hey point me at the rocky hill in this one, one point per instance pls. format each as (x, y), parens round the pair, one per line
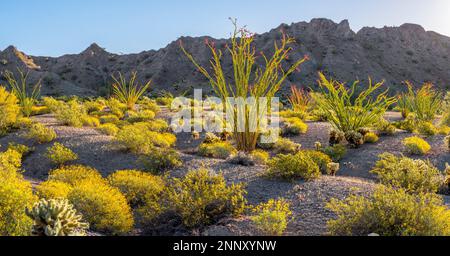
(394, 54)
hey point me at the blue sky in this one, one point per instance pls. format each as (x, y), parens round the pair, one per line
(56, 27)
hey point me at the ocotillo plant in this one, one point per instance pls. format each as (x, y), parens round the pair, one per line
(425, 103)
(128, 92)
(20, 90)
(299, 99)
(249, 81)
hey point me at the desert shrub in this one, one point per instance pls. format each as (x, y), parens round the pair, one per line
(371, 138)
(41, 133)
(108, 129)
(291, 167)
(149, 104)
(90, 121)
(390, 212)
(56, 217)
(444, 130)
(294, 126)
(140, 140)
(426, 128)
(221, 150)
(412, 175)
(39, 110)
(22, 149)
(107, 119)
(19, 88)
(286, 146)
(137, 186)
(128, 92)
(92, 106)
(354, 138)
(260, 157)
(160, 159)
(409, 124)
(23, 123)
(75, 174)
(52, 103)
(424, 103)
(59, 154)
(201, 197)
(71, 113)
(157, 125)
(416, 146)
(9, 110)
(384, 127)
(272, 217)
(446, 118)
(321, 159)
(211, 138)
(103, 206)
(346, 110)
(116, 107)
(52, 189)
(333, 168)
(291, 114)
(141, 116)
(15, 196)
(250, 80)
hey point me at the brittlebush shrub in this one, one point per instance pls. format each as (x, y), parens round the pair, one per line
(109, 119)
(220, 150)
(160, 159)
(9, 110)
(321, 159)
(108, 129)
(59, 154)
(412, 175)
(138, 139)
(53, 189)
(71, 113)
(75, 174)
(286, 146)
(41, 133)
(201, 197)
(260, 157)
(426, 128)
(390, 212)
(336, 152)
(272, 217)
(294, 126)
(137, 186)
(416, 146)
(291, 167)
(371, 138)
(15, 196)
(104, 207)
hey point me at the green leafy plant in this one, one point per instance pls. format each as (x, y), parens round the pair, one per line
(20, 89)
(59, 154)
(128, 92)
(267, 81)
(414, 176)
(390, 212)
(348, 111)
(272, 217)
(56, 217)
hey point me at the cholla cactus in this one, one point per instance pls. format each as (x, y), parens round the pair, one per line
(355, 139)
(336, 137)
(318, 146)
(56, 217)
(333, 168)
(211, 138)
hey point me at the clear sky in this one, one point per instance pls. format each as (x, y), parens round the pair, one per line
(56, 27)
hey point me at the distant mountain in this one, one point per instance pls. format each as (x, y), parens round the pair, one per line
(394, 54)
